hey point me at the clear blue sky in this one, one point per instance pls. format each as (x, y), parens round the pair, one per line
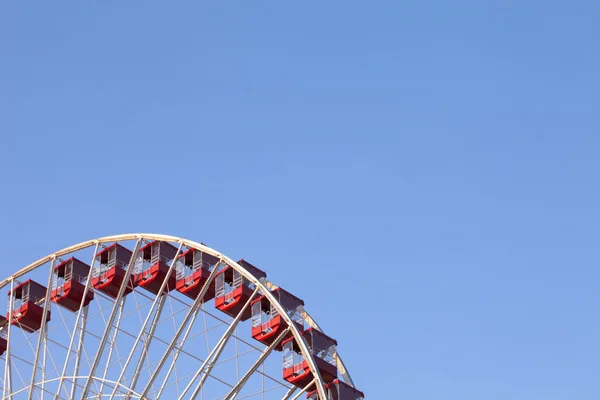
(424, 174)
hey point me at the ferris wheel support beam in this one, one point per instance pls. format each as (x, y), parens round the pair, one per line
(79, 349)
(7, 364)
(176, 355)
(82, 312)
(74, 378)
(289, 393)
(149, 337)
(44, 365)
(155, 311)
(263, 284)
(112, 345)
(194, 309)
(214, 355)
(303, 390)
(43, 329)
(236, 389)
(111, 319)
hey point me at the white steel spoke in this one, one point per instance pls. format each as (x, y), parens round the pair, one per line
(44, 363)
(112, 347)
(7, 363)
(74, 378)
(176, 355)
(194, 308)
(155, 309)
(262, 392)
(89, 337)
(303, 390)
(124, 284)
(237, 360)
(289, 393)
(149, 337)
(79, 315)
(42, 328)
(212, 358)
(236, 389)
(79, 348)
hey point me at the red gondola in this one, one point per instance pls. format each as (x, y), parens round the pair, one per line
(193, 269)
(108, 276)
(152, 265)
(233, 290)
(3, 342)
(69, 284)
(28, 306)
(338, 390)
(295, 367)
(266, 320)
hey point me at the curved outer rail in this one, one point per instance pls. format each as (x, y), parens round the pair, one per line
(264, 286)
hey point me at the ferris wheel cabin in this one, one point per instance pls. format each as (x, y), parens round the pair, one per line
(28, 306)
(193, 269)
(3, 341)
(267, 323)
(233, 290)
(110, 273)
(338, 390)
(295, 367)
(152, 265)
(69, 284)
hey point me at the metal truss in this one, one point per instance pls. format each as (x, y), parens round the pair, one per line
(153, 346)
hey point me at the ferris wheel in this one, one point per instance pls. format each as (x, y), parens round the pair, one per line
(149, 316)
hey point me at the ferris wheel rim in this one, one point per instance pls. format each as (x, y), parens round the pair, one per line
(262, 284)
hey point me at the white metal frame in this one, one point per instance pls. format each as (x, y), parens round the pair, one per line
(262, 285)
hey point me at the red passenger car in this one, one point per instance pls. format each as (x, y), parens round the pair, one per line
(28, 306)
(69, 284)
(108, 276)
(152, 265)
(295, 367)
(3, 342)
(338, 390)
(267, 323)
(233, 290)
(193, 269)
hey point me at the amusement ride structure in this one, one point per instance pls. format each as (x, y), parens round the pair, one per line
(149, 316)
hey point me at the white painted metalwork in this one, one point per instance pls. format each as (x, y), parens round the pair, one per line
(113, 314)
(41, 337)
(194, 308)
(88, 330)
(80, 314)
(233, 393)
(155, 311)
(303, 390)
(212, 358)
(7, 387)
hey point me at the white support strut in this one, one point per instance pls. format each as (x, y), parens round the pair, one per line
(289, 393)
(212, 358)
(176, 355)
(303, 390)
(113, 314)
(112, 345)
(159, 301)
(262, 284)
(43, 330)
(236, 389)
(7, 363)
(80, 313)
(194, 308)
(78, 355)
